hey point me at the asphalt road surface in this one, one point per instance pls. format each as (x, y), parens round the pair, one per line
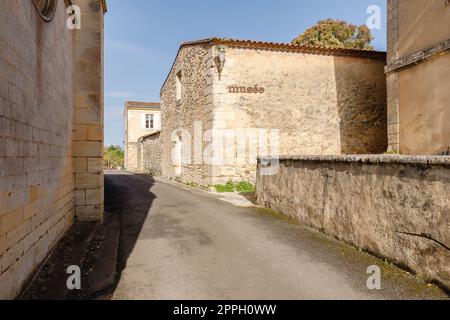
(179, 243)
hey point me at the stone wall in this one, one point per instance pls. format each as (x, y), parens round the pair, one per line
(151, 147)
(36, 181)
(133, 156)
(88, 116)
(41, 150)
(418, 56)
(320, 103)
(195, 106)
(393, 206)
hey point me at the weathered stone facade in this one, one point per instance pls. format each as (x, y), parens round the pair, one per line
(322, 101)
(195, 105)
(393, 206)
(417, 77)
(50, 132)
(150, 154)
(137, 126)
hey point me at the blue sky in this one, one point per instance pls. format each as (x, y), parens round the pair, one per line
(142, 38)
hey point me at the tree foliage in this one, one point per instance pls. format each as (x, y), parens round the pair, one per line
(113, 157)
(336, 34)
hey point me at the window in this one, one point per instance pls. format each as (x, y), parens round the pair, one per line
(149, 121)
(179, 88)
(46, 8)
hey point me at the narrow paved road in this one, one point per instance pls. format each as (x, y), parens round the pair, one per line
(178, 243)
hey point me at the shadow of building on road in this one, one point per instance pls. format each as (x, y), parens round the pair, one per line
(128, 198)
(100, 250)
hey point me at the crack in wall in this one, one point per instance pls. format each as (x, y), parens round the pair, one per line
(425, 236)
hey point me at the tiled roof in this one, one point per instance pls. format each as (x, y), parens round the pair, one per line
(263, 45)
(141, 104)
(286, 47)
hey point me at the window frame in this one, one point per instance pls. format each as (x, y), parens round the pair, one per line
(149, 121)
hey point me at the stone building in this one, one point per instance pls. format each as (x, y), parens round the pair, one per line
(51, 129)
(309, 100)
(141, 119)
(418, 76)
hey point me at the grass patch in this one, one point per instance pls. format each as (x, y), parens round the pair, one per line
(243, 186)
(224, 188)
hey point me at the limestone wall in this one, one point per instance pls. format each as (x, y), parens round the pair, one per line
(424, 107)
(321, 104)
(133, 156)
(44, 157)
(36, 181)
(88, 116)
(151, 147)
(420, 24)
(418, 95)
(393, 206)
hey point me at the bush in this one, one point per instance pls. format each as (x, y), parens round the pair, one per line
(245, 186)
(229, 187)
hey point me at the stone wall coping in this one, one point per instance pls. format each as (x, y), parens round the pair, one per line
(375, 159)
(418, 57)
(147, 136)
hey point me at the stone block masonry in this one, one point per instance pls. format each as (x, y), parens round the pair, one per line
(50, 133)
(88, 114)
(393, 206)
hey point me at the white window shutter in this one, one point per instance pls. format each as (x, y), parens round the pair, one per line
(158, 121)
(143, 121)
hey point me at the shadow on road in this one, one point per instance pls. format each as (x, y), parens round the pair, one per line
(128, 198)
(100, 250)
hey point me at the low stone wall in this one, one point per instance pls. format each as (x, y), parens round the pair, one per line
(151, 149)
(396, 207)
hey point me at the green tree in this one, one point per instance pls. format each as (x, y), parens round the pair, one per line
(113, 157)
(336, 34)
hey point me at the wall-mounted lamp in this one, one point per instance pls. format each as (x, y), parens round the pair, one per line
(219, 58)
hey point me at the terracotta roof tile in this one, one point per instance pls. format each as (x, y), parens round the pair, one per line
(253, 44)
